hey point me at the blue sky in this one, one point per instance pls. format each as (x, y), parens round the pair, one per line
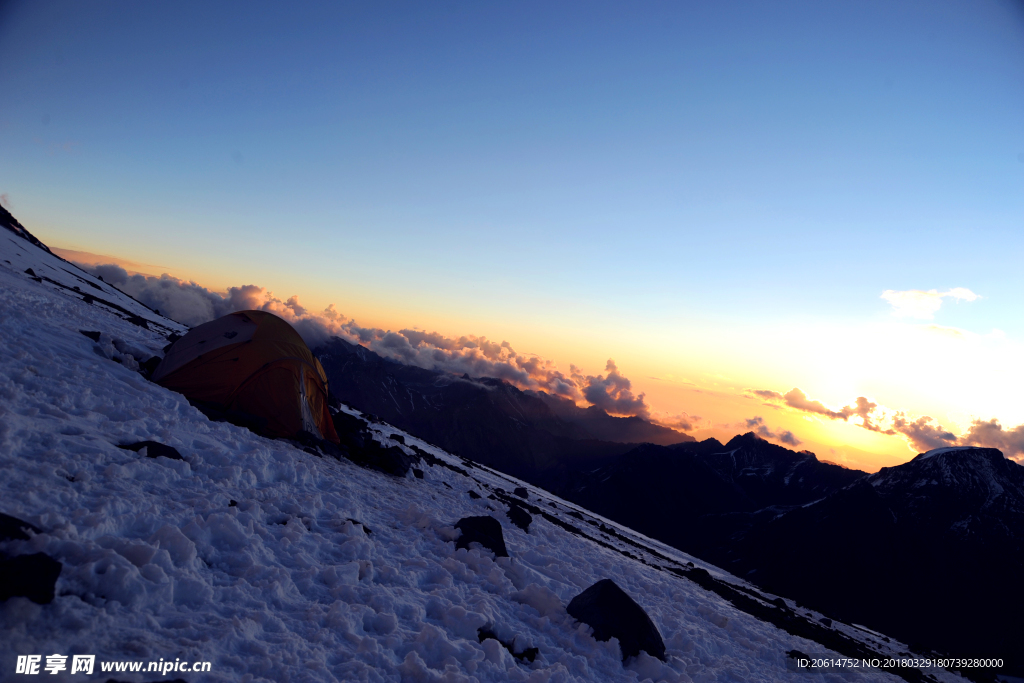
(578, 172)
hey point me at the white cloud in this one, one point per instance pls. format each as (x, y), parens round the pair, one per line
(916, 303)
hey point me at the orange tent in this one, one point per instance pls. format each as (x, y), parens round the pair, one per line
(254, 363)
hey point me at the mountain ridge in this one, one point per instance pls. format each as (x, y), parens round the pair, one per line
(485, 419)
(928, 549)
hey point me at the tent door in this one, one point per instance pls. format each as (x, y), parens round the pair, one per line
(308, 423)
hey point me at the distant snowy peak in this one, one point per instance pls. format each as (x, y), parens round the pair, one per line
(965, 469)
(964, 450)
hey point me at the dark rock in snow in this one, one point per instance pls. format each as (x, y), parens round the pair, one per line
(13, 529)
(397, 437)
(91, 334)
(474, 495)
(613, 614)
(154, 449)
(826, 621)
(483, 530)
(30, 576)
(148, 366)
(314, 445)
(529, 654)
(418, 473)
(521, 492)
(391, 460)
(699, 574)
(366, 529)
(359, 446)
(520, 517)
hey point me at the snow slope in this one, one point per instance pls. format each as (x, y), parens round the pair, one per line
(319, 570)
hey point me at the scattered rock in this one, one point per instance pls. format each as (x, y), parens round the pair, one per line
(366, 529)
(359, 446)
(232, 503)
(393, 460)
(30, 576)
(418, 473)
(520, 517)
(699, 575)
(91, 334)
(521, 492)
(474, 495)
(397, 437)
(483, 530)
(529, 654)
(154, 449)
(613, 614)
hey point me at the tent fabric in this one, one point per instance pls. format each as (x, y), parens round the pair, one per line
(252, 362)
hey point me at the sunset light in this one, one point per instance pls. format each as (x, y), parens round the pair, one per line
(421, 341)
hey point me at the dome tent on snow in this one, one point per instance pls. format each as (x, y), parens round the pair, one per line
(254, 364)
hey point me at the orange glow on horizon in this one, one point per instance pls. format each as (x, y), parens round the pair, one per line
(696, 382)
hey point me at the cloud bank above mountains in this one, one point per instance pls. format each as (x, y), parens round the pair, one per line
(756, 424)
(923, 433)
(193, 304)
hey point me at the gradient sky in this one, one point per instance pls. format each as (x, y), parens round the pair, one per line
(716, 195)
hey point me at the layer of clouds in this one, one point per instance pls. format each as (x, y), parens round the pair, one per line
(681, 421)
(923, 433)
(766, 393)
(916, 303)
(867, 410)
(991, 434)
(798, 399)
(193, 304)
(756, 424)
(612, 393)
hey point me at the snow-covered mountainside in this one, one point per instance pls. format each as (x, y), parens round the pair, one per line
(22, 252)
(275, 562)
